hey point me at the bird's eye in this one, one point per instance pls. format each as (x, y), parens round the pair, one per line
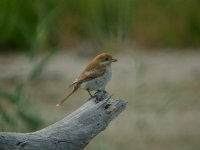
(106, 58)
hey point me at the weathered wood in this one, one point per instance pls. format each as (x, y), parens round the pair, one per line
(71, 133)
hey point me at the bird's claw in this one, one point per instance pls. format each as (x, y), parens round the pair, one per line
(100, 95)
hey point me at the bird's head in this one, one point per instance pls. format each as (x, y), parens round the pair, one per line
(105, 59)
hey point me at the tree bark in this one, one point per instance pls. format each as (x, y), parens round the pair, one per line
(71, 133)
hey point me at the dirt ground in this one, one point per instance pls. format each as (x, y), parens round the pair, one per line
(162, 90)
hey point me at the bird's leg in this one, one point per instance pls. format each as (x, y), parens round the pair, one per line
(89, 93)
(100, 91)
(91, 96)
(100, 95)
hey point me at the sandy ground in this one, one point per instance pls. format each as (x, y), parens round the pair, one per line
(162, 90)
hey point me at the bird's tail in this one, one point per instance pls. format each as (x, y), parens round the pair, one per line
(75, 87)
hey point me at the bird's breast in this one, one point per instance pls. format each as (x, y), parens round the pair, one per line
(99, 82)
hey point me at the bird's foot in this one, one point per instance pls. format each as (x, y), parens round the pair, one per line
(100, 95)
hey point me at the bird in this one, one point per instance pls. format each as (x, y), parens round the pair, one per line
(94, 77)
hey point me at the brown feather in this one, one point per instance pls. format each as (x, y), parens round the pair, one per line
(75, 87)
(92, 71)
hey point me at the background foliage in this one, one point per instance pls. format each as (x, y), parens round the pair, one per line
(38, 25)
(162, 86)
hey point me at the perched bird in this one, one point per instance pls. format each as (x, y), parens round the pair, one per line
(95, 76)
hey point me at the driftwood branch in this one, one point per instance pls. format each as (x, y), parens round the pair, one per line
(71, 133)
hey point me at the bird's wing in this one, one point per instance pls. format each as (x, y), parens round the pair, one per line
(89, 75)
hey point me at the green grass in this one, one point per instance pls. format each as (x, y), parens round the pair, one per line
(19, 101)
(37, 25)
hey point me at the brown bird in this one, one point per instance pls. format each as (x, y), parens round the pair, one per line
(95, 76)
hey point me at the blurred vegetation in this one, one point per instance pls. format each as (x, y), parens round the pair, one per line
(20, 104)
(40, 25)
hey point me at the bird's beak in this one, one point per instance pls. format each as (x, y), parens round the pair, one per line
(114, 60)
